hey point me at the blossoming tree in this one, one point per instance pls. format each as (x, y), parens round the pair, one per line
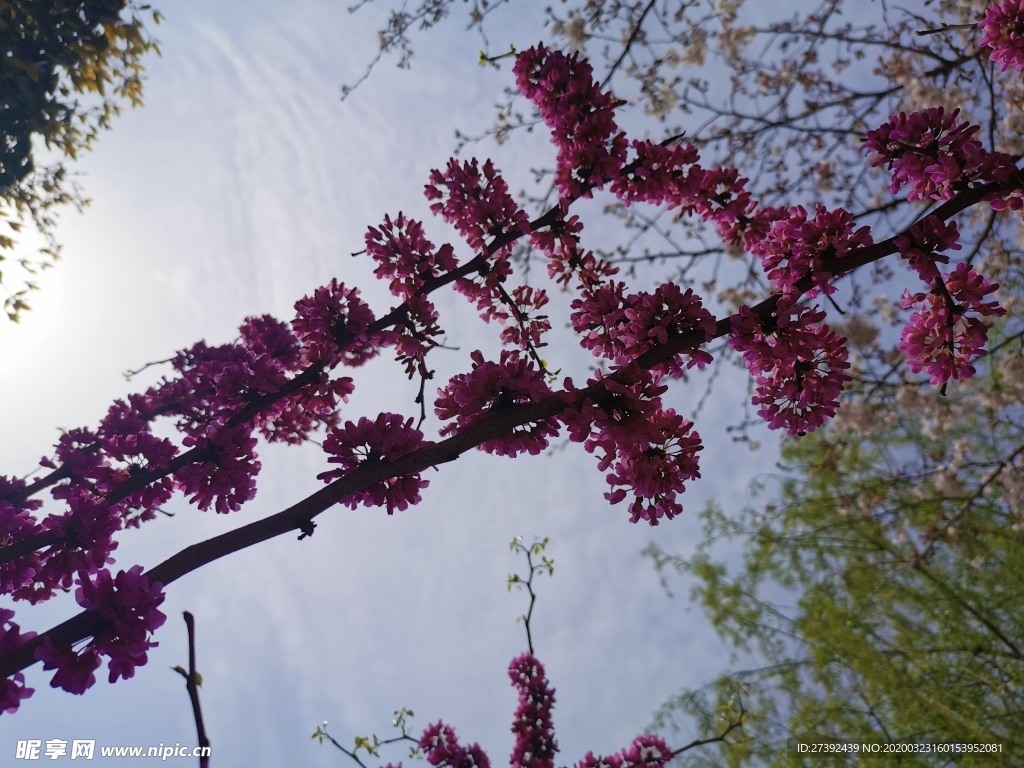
(788, 101)
(285, 382)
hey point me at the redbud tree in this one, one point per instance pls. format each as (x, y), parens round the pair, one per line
(286, 381)
(786, 94)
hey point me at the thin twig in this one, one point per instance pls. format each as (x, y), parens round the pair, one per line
(192, 686)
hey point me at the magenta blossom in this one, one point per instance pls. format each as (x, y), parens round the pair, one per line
(797, 247)
(332, 326)
(415, 335)
(388, 437)
(405, 256)
(129, 605)
(645, 752)
(535, 745)
(524, 325)
(923, 243)
(471, 397)
(1004, 34)
(75, 671)
(725, 201)
(648, 450)
(581, 118)
(226, 479)
(651, 318)
(560, 242)
(800, 366)
(621, 328)
(942, 338)
(930, 152)
(660, 175)
(268, 337)
(17, 523)
(442, 749)
(87, 531)
(479, 206)
(12, 689)
(656, 470)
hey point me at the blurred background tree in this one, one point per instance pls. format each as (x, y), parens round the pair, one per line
(66, 68)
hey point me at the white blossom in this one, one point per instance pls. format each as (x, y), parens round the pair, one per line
(732, 41)
(859, 332)
(696, 49)
(727, 8)
(1011, 369)
(863, 417)
(886, 309)
(576, 33)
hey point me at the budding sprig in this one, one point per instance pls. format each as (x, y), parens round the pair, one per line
(371, 744)
(546, 565)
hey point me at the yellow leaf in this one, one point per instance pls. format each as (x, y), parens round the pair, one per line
(29, 69)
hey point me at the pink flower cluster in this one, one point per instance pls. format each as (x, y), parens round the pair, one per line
(535, 745)
(417, 333)
(941, 337)
(87, 530)
(75, 671)
(796, 248)
(581, 118)
(388, 438)
(129, 605)
(934, 155)
(215, 383)
(649, 450)
(478, 206)
(332, 326)
(621, 328)
(670, 175)
(1004, 34)
(484, 288)
(134, 453)
(560, 242)
(16, 523)
(405, 256)
(645, 752)
(227, 479)
(923, 243)
(725, 201)
(294, 418)
(442, 748)
(12, 689)
(120, 474)
(655, 468)
(469, 398)
(528, 326)
(656, 175)
(799, 366)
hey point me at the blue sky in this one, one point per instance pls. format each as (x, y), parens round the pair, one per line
(242, 185)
